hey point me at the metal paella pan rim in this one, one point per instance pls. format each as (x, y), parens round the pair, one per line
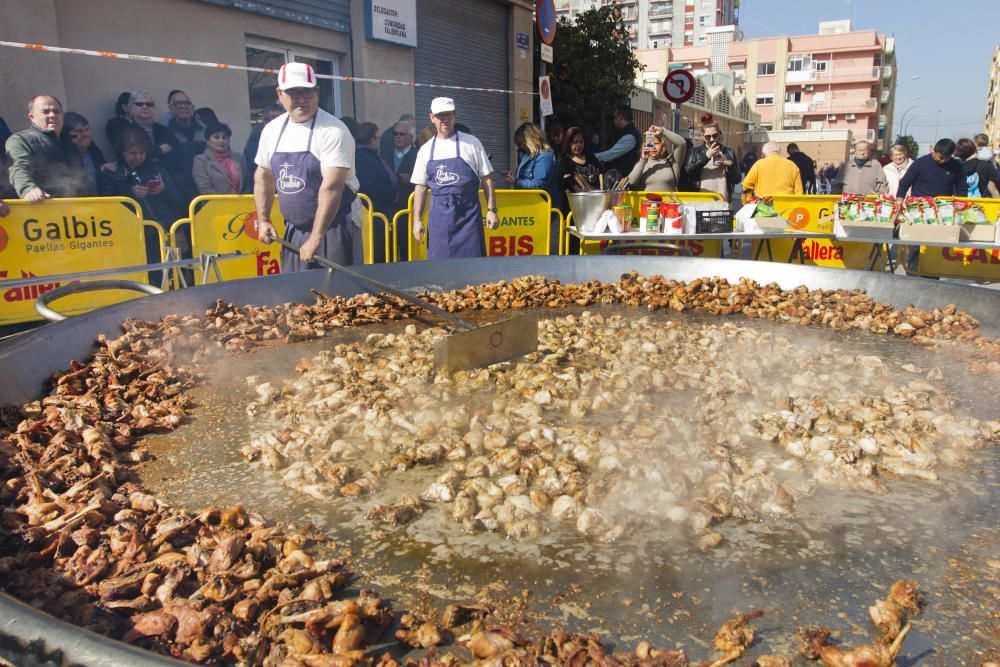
(30, 637)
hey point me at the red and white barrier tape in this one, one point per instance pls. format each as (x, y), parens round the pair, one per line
(241, 68)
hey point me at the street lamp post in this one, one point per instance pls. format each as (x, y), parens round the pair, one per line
(902, 121)
(913, 118)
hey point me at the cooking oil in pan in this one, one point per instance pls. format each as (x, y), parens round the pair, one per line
(837, 552)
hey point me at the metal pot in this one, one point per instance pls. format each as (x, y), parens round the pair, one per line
(587, 207)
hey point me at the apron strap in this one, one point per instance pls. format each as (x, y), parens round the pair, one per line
(309, 142)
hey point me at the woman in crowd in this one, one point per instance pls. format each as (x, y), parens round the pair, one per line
(659, 168)
(578, 168)
(206, 116)
(144, 180)
(120, 120)
(137, 176)
(980, 175)
(219, 170)
(895, 170)
(536, 167)
(82, 152)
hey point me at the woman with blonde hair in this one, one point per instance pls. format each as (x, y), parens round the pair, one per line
(536, 167)
(659, 167)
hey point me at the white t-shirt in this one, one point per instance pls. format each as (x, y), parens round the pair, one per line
(472, 152)
(332, 143)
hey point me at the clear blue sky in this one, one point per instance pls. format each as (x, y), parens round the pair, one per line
(947, 43)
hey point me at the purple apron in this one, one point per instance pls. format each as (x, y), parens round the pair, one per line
(298, 176)
(455, 220)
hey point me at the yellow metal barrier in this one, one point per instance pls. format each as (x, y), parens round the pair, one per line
(525, 225)
(698, 247)
(60, 236)
(815, 213)
(222, 224)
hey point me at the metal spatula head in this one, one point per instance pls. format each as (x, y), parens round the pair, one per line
(487, 344)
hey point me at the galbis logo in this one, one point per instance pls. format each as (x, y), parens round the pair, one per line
(240, 224)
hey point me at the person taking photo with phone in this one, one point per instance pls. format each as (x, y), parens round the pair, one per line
(713, 166)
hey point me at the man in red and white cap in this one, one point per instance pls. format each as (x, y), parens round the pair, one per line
(306, 155)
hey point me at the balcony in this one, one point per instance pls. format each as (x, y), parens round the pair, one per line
(833, 75)
(831, 107)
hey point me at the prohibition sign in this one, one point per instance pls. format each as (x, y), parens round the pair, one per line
(545, 18)
(678, 87)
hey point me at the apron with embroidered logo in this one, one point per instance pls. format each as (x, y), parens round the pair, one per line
(455, 219)
(298, 176)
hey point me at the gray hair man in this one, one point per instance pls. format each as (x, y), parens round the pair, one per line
(862, 175)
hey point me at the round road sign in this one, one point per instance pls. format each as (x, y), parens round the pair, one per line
(545, 18)
(678, 87)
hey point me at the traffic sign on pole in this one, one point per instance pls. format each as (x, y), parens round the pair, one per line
(545, 18)
(678, 87)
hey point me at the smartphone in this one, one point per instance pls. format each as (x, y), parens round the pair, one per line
(649, 139)
(155, 183)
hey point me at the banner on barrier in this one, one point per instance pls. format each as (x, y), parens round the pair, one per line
(814, 213)
(698, 247)
(61, 236)
(964, 263)
(525, 225)
(228, 223)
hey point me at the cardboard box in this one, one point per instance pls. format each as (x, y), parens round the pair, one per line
(867, 229)
(937, 233)
(771, 224)
(979, 233)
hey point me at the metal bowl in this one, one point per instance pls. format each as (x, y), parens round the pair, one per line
(587, 207)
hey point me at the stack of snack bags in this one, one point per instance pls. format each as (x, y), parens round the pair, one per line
(867, 208)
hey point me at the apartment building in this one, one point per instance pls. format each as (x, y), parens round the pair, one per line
(658, 24)
(992, 124)
(835, 80)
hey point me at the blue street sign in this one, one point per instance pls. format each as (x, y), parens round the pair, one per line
(545, 18)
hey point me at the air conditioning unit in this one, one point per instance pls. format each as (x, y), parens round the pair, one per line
(809, 88)
(849, 116)
(832, 117)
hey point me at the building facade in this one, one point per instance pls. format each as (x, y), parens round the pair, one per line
(992, 123)
(840, 79)
(422, 41)
(659, 24)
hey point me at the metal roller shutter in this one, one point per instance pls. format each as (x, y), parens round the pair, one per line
(329, 14)
(466, 44)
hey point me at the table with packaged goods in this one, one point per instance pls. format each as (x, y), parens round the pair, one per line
(881, 245)
(665, 240)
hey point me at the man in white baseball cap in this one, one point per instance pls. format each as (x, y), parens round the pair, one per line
(307, 156)
(452, 165)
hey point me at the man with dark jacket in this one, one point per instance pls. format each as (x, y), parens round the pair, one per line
(935, 175)
(624, 153)
(713, 167)
(39, 169)
(807, 168)
(188, 142)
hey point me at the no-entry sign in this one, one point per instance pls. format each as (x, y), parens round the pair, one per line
(678, 87)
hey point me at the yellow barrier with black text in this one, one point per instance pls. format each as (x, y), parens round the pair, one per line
(61, 236)
(525, 225)
(222, 224)
(814, 213)
(964, 263)
(698, 247)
